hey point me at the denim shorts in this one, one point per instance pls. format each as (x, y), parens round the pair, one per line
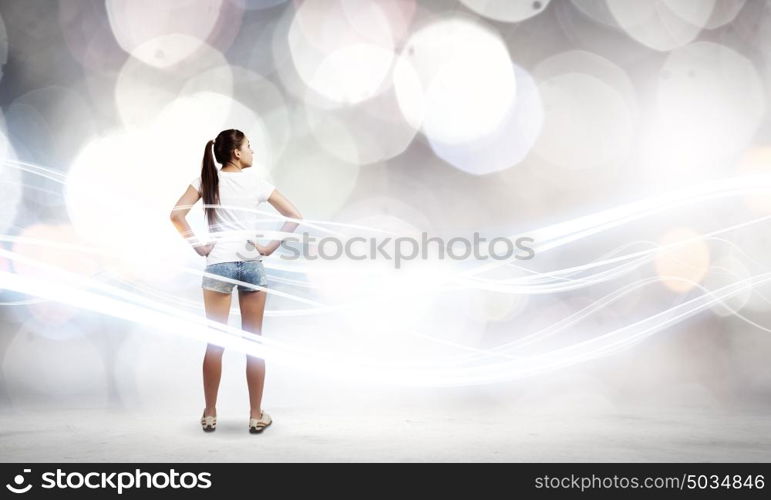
(250, 271)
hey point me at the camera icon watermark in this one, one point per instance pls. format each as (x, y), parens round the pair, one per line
(18, 481)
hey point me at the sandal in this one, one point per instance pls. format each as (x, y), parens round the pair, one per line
(257, 425)
(208, 423)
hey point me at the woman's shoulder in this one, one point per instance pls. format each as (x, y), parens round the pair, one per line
(259, 175)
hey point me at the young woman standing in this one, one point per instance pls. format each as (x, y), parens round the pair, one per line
(224, 193)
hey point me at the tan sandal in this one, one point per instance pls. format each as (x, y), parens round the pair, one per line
(257, 425)
(208, 423)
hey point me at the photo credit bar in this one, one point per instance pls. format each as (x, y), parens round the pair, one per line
(357, 480)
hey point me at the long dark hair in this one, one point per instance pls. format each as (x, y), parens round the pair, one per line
(226, 141)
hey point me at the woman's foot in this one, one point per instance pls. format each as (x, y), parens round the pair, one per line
(257, 425)
(209, 421)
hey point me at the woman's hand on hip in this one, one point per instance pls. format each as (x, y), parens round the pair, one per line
(204, 250)
(262, 249)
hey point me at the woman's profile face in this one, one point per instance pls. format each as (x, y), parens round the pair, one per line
(246, 152)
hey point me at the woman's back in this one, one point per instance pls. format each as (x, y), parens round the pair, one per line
(237, 191)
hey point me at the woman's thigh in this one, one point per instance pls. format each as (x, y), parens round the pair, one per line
(252, 306)
(217, 305)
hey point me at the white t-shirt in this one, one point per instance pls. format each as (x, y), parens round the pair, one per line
(243, 189)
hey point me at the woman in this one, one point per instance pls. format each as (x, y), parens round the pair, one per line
(231, 256)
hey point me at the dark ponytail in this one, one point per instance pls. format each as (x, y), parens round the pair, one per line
(210, 181)
(223, 145)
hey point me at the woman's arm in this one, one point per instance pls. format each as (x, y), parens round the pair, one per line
(178, 214)
(287, 209)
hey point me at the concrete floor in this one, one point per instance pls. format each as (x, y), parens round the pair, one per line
(481, 434)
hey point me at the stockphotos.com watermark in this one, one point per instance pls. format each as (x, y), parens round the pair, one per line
(117, 481)
(399, 249)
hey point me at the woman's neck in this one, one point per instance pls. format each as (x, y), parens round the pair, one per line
(230, 167)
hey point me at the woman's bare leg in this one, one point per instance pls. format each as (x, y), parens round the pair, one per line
(252, 306)
(217, 307)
